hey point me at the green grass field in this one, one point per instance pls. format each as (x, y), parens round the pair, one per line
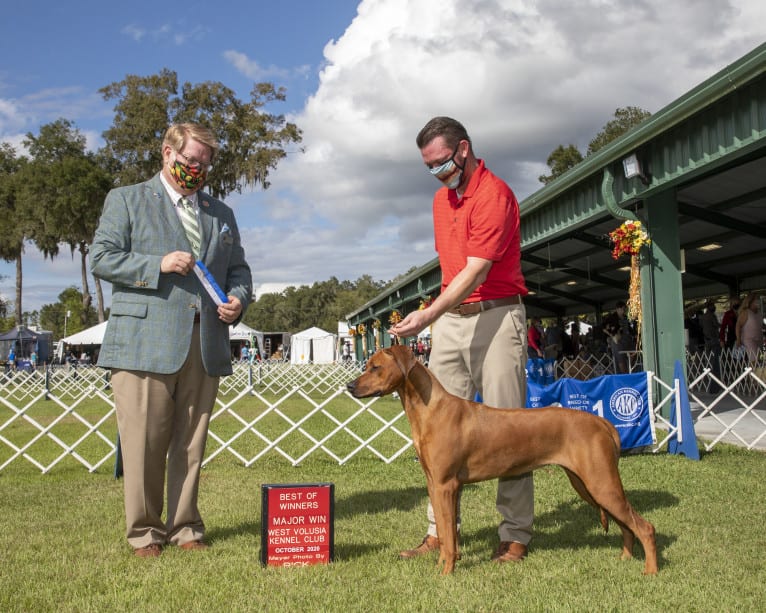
(64, 549)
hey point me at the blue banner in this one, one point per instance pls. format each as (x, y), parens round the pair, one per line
(541, 370)
(623, 400)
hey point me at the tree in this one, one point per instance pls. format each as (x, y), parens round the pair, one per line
(11, 224)
(560, 160)
(323, 304)
(563, 158)
(252, 140)
(63, 190)
(624, 119)
(54, 316)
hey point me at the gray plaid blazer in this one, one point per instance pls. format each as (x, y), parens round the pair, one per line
(152, 314)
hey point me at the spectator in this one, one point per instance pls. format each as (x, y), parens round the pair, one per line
(535, 338)
(554, 341)
(620, 336)
(710, 327)
(727, 333)
(749, 327)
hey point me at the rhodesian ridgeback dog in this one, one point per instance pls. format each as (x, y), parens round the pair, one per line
(458, 442)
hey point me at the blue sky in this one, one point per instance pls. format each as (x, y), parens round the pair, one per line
(362, 77)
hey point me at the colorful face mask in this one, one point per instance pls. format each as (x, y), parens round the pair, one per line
(444, 171)
(188, 177)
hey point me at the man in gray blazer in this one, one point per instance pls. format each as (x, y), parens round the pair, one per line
(167, 341)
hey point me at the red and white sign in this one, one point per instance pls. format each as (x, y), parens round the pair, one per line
(297, 524)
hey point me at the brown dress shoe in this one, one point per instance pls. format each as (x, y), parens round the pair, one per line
(429, 544)
(150, 551)
(510, 551)
(194, 546)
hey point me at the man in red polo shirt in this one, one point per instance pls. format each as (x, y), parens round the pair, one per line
(479, 321)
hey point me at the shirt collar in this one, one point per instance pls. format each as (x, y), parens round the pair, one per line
(175, 197)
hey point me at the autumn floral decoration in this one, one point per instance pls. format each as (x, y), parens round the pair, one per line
(395, 317)
(425, 303)
(628, 239)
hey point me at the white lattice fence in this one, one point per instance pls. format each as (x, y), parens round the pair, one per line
(294, 411)
(291, 410)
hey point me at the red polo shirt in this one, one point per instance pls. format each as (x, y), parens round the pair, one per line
(484, 223)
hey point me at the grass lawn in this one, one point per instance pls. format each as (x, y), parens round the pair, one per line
(64, 549)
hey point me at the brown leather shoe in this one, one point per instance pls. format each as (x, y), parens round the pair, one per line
(194, 546)
(510, 551)
(150, 551)
(429, 544)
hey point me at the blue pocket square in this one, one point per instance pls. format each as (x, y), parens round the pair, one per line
(226, 235)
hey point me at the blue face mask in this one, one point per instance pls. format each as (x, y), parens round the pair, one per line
(443, 171)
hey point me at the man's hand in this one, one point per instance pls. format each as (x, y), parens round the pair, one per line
(412, 324)
(179, 262)
(229, 311)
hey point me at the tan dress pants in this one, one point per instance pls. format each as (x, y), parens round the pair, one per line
(486, 353)
(163, 423)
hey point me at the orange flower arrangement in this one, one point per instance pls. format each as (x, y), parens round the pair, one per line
(361, 328)
(395, 317)
(425, 303)
(376, 324)
(628, 239)
(351, 331)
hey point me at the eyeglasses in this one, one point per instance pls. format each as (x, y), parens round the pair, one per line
(195, 164)
(445, 167)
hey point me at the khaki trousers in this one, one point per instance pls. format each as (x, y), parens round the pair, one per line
(163, 422)
(486, 353)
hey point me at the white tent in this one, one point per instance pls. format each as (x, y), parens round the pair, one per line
(312, 345)
(243, 332)
(95, 335)
(89, 336)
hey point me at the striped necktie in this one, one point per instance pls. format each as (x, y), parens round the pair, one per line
(189, 221)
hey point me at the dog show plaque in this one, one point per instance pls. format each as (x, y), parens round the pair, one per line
(297, 524)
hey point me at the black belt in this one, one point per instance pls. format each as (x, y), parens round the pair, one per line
(471, 308)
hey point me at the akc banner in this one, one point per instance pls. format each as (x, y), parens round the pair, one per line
(622, 400)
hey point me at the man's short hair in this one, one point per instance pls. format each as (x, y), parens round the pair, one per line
(450, 129)
(178, 133)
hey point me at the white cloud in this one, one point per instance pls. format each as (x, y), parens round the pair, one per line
(523, 77)
(251, 69)
(135, 32)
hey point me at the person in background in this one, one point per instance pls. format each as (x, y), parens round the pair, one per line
(166, 341)
(478, 319)
(535, 339)
(554, 341)
(727, 333)
(749, 329)
(710, 328)
(620, 338)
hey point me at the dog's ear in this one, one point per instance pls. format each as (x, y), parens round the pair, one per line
(403, 357)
